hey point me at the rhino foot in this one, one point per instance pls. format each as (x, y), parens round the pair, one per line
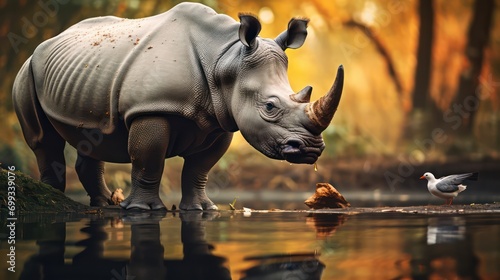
(99, 201)
(199, 204)
(144, 200)
(143, 205)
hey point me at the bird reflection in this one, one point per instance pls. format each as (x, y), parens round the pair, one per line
(442, 230)
(447, 252)
(450, 254)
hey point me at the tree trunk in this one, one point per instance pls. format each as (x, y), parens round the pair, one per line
(420, 119)
(421, 93)
(478, 36)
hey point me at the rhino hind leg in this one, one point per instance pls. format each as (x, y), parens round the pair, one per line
(91, 174)
(195, 175)
(38, 132)
(148, 142)
(51, 163)
(48, 148)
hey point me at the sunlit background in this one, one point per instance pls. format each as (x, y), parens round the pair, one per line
(421, 94)
(421, 91)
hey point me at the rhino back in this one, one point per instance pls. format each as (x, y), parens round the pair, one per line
(103, 70)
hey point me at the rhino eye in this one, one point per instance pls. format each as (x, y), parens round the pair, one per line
(270, 110)
(270, 106)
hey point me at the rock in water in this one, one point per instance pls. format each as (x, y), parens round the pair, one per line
(326, 196)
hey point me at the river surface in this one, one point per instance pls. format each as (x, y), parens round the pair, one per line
(236, 245)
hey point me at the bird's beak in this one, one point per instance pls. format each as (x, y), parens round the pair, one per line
(422, 177)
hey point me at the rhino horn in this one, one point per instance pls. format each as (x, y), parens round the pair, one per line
(321, 111)
(303, 96)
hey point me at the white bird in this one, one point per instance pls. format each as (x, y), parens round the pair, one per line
(447, 187)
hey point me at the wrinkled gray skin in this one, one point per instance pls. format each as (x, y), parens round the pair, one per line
(176, 84)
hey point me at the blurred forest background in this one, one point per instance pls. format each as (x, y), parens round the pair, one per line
(421, 90)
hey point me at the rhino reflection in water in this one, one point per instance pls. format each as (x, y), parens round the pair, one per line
(175, 84)
(146, 251)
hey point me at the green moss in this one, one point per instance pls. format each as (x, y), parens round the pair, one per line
(34, 196)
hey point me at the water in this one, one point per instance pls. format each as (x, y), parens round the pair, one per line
(273, 245)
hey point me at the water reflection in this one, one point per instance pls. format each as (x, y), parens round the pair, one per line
(447, 254)
(287, 245)
(50, 254)
(146, 254)
(296, 265)
(285, 267)
(325, 224)
(441, 230)
(450, 253)
(198, 262)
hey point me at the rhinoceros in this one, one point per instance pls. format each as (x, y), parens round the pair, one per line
(176, 84)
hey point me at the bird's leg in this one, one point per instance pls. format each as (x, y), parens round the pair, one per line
(449, 201)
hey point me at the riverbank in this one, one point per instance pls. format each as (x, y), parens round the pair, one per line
(21, 193)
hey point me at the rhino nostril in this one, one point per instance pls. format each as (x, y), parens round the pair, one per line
(294, 143)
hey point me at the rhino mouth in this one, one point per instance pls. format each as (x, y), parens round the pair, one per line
(296, 151)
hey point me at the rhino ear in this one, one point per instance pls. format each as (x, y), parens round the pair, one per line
(249, 29)
(295, 35)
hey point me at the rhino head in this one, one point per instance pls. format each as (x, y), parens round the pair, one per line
(276, 121)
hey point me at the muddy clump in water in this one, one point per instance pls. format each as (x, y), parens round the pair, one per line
(326, 196)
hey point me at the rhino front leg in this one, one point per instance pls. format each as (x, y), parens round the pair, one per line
(91, 173)
(147, 146)
(195, 175)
